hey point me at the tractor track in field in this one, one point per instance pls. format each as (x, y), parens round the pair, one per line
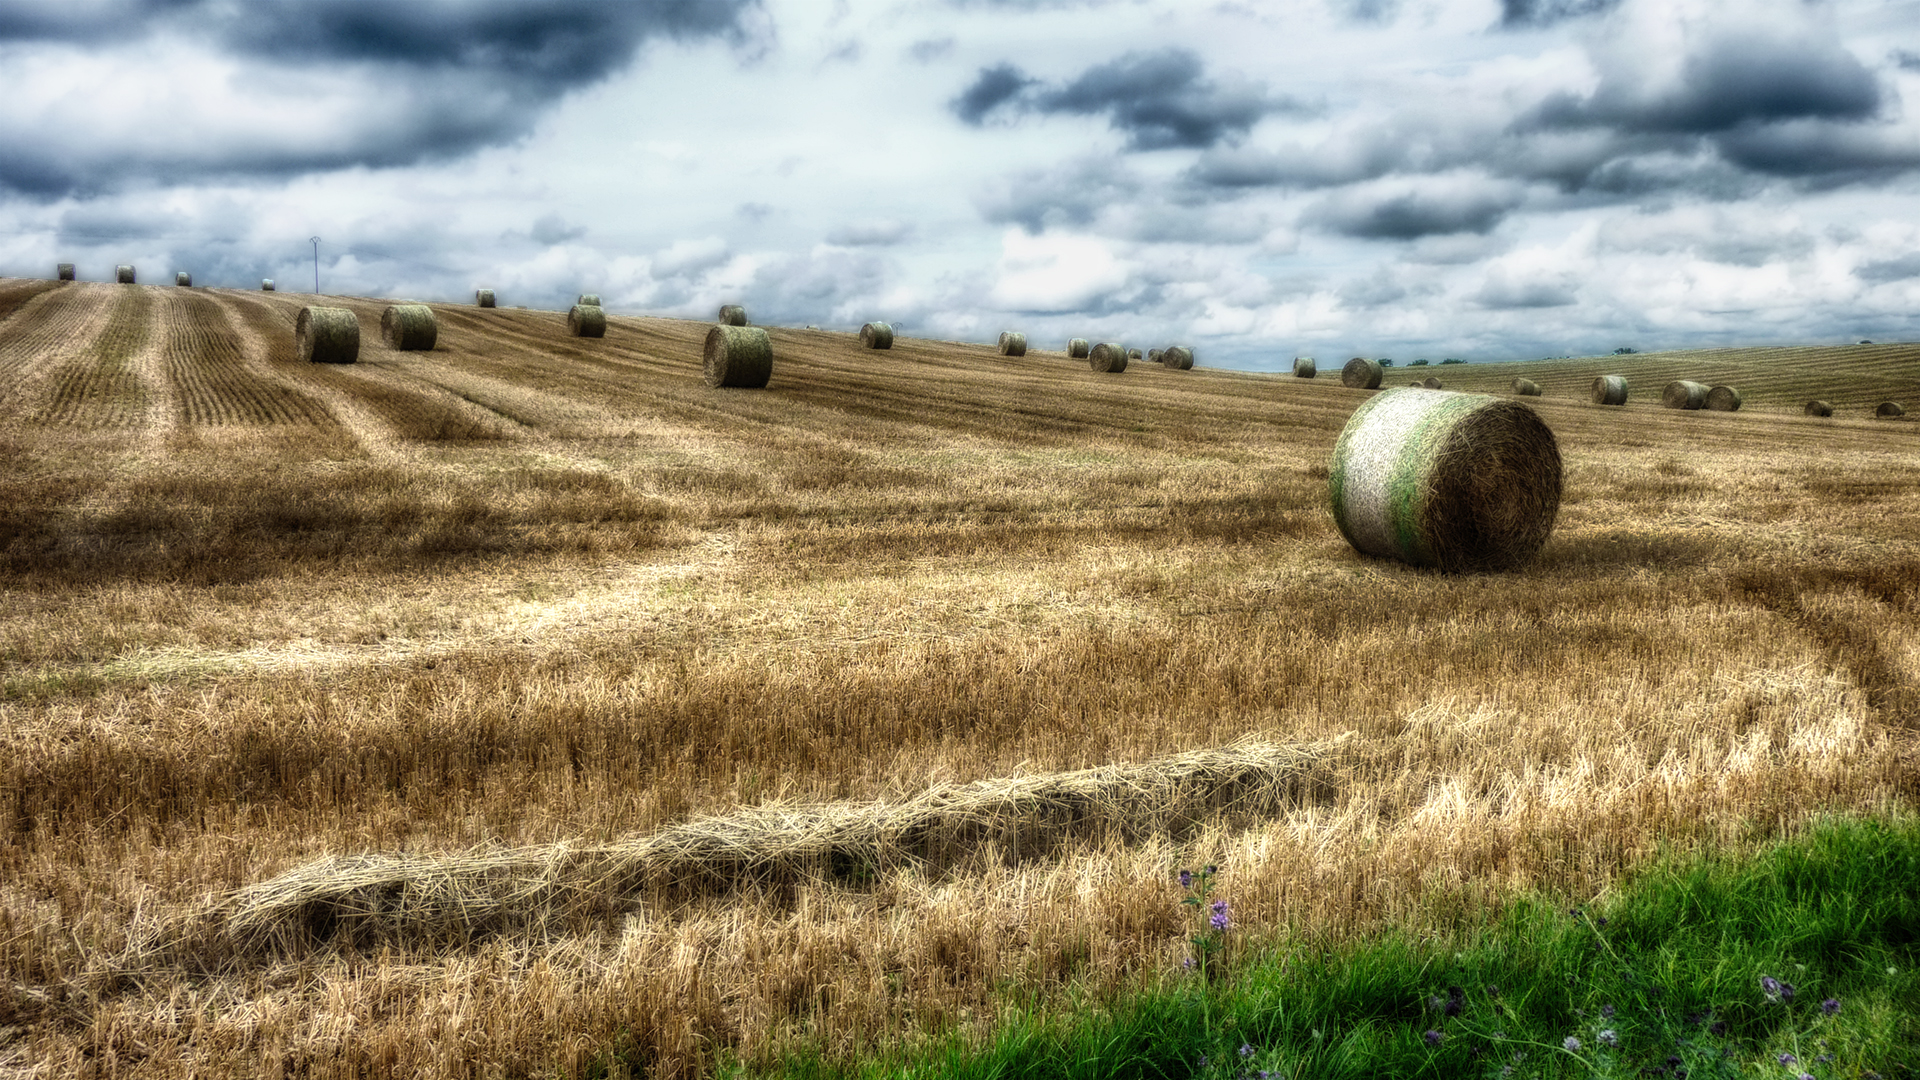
(206, 362)
(111, 383)
(43, 335)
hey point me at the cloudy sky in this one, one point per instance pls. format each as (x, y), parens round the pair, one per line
(1489, 179)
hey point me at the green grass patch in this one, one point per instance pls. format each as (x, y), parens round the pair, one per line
(1797, 961)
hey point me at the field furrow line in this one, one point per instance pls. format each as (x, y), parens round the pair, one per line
(103, 386)
(206, 360)
(45, 334)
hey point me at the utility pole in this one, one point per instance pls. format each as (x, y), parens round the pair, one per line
(316, 263)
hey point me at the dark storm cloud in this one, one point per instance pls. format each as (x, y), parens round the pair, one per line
(1885, 270)
(1906, 59)
(1502, 291)
(1535, 13)
(1069, 197)
(1411, 215)
(1161, 100)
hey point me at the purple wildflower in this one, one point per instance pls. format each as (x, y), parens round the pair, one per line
(1607, 1011)
(1609, 1038)
(1219, 919)
(1788, 1059)
(1212, 869)
(1830, 1006)
(1571, 1044)
(1186, 879)
(1806, 1076)
(1246, 1051)
(1770, 986)
(1433, 1037)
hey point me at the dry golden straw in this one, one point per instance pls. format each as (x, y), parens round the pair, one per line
(483, 297)
(1303, 367)
(1107, 357)
(733, 315)
(739, 356)
(1526, 388)
(1013, 343)
(876, 335)
(1610, 390)
(123, 274)
(409, 327)
(1177, 358)
(587, 320)
(327, 335)
(1684, 394)
(1362, 374)
(1457, 481)
(1077, 348)
(1723, 399)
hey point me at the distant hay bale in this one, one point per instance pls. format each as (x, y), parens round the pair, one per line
(1610, 390)
(1819, 408)
(1455, 481)
(587, 320)
(65, 271)
(1889, 410)
(123, 274)
(738, 356)
(1303, 367)
(1077, 348)
(733, 315)
(1107, 357)
(1134, 354)
(1431, 383)
(1362, 374)
(1684, 394)
(266, 284)
(1526, 388)
(1177, 358)
(483, 297)
(182, 278)
(876, 335)
(588, 299)
(1723, 399)
(409, 327)
(1155, 356)
(1013, 343)
(327, 335)
(1418, 384)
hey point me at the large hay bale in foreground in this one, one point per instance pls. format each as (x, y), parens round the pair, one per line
(739, 356)
(266, 284)
(1819, 408)
(1684, 394)
(1526, 388)
(409, 327)
(327, 335)
(733, 315)
(1107, 357)
(1177, 358)
(1431, 382)
(65, 271)
(1077, 348)
(1610, 390)
(1889, 410)
(1362, 374)
(876, 335)
(1013, 343)
(1303, 367)
(588, 299)
(587, 320)
(1723, 399)
(182, 278)
(1455, 481)
(483, 298)
(123, 274)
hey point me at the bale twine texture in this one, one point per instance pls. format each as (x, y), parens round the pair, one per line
(1889, 409)
(1077, 348)
(1177, 357)
(327, 335)
(123, 274)
(1684, 394)
(588, 299)
(409, 327)
(1013, 343)
(1723, 399)
(65, 270)
(1362, 374)
(266, 284)
(1819, 408)
(1107, 357)
(587, 320)
(1610, 390)
(483, 297)
(1303, 367)
(740, 356)
(1431, 383)
(876, 335)
(1526, 388)
(733, 315)
(1456, 481)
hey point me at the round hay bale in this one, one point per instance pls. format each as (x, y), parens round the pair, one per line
(1077, 348)
(1456, 481)
(1889, 410)
(876, 335)
(65, 271)
(1430, 383)
(1155, 356)
(1107, 357)
(1362, 374)
(266, 284)
(182, 278)
(733, 315)
(123, 274)
(1684, 394)
(740, 356)
(588, 299)
(1819, 408)
(1012, 343)
(1303, 367)
(1610, 390)
(587, 320)
(327, 335)
(1418, 384)
(1723, 399)
(1134, 354)
(483, 297)
(409, 327)
(1526, 388)
(1177, 357)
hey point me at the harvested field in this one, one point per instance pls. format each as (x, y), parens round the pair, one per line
(526, 696)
